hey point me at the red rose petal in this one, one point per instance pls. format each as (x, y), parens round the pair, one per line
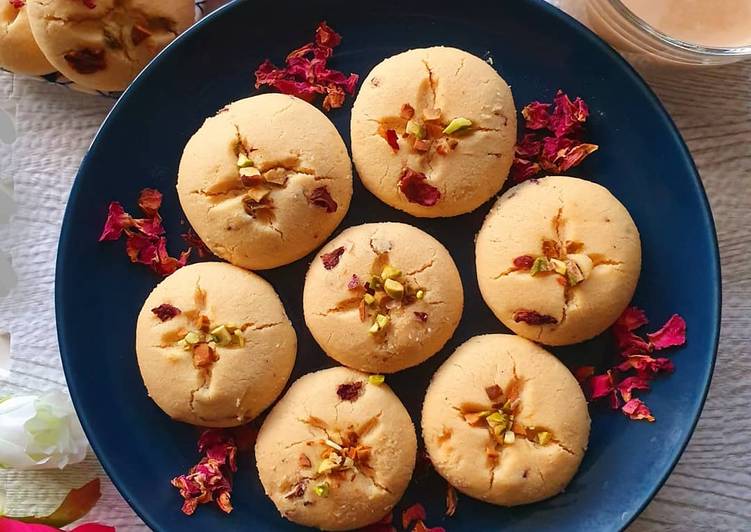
(392, 138)
(331, 259)
(583, 373)
(536, 115)
(416, 512)
(567, 116)
(354, 282)
(524, 262)
(195, 243)
(636, 410)
(416, 189)
(561, 154)
(320, 197)
(150, 201)
(117, 221)
(672, 334)
(601, 385)
(627, 386)
(523, 169)
(646, 365)
(530, 146)
(306, 73)
(18, 4)
(349, 391)
(165, 311)
(631, 319)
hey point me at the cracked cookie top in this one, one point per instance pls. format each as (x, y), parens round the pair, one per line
(19, 52)
(382, 297)
(214, 345)
(336, 452)
(105, 46)
(433, 131)
(558, 259)
(265, 181)
(504, 421)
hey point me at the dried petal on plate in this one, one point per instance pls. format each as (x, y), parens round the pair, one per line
(646, 365)
(306, 73)
(422, 316)
(18, 4)
(195, 243)
(331, 260)
(627, 386)
(354, 282)
(165, 265)
(561, 154)
(349, 391)
(421, 527)
(583, 373)
(416, 512)
(529, 146)
(77, 503)
(601, 385)
(636, 410)
(165, 311)
(150, 201)
(320, 197)
(672, 334)
(451, 500)
(415, 187)
(536, 115)
(407, 111)
(532, 317)
(567, 117)
(210, 479)
(523, 169)
(117, 221)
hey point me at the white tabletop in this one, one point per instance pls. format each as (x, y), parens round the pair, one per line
(710, 488)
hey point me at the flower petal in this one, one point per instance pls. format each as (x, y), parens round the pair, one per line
(672, 334)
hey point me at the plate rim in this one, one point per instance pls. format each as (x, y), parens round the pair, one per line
(707, 220)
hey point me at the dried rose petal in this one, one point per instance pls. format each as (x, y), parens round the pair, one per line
(117, 221)
(530, 146)
(414, 186)
(536, 115)
(494, 392)
(150, 201)
(583, 373)
(18, 4)
(451, 500)
(195, 243)
(320, 197)
(561, 154)
(646, 365)
(567, 117)
(422, 145)
(165, 311)
(392, 139)
(629, 384)
(407, 111)
(349, 391)
(631, 319)
(86, 60)
(331, 259)
(421, 527)
(354, 282)
(636, 410)
(422, 316)
(306, 74)
(524, 262)
(416, 512)
(523, 169)
(532, 317)
(601, 385)
(672, 334)
(211, 478)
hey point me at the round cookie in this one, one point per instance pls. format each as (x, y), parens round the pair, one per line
(382, 297)
(336, 452)
(402, 141)
(504, 421)
(19, 51)
(214, 345)
(265, 181)
(558, 259)
(103, 47)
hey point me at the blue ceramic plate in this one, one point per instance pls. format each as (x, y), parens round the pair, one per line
(537, 49)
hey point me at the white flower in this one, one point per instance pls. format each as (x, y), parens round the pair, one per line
(40, 432)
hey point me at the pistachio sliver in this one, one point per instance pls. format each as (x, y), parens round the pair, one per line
(420, 294)
(389, 272)
(394, 289)
(376, 380)
(382, 320)
(543, 438)
(415, 128)
(221, 335)
(326, 465)
(457, 124)
(558, 266)
(243, 161)
(192, 338)
(368, 298)
(541, 264)
(322, 489)
(374, 328)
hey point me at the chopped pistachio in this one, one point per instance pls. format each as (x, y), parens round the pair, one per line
(420, 294)
(243, 161)
(322, 489)
(456, 124)
(240, 337)
(374, 328)
(183, 344)
(376, 380)
(416, 129)
(540, 264)
(394, 289)
(543, 438)
(368, 298)
(497, 418)
(559, 266)
(222, 335)
(382, 321)
(327, 465)
(509, 437)
(574, 274)
(389, 272)
(192, 338)
(374, 282)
